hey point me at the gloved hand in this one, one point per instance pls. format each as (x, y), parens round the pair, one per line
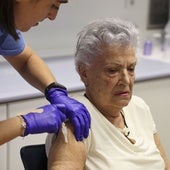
(74, 110)
(48, 120)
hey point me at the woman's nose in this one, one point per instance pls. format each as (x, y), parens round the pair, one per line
(124, 77)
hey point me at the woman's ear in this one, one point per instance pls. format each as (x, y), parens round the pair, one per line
(82, 70)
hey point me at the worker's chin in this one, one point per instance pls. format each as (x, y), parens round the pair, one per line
(25, 29)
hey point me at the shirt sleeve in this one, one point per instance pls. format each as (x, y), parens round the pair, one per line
(145, 116)
(153, 123)
(10, 46)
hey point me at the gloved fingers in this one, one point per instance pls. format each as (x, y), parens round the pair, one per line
(61, 107)
(62, 116)
(87, 122)
(77, 129)
(57, 121)
(58, 126)
(50, 120)
(57, 109)
(62, 110)
(82, 125)
(87, 118)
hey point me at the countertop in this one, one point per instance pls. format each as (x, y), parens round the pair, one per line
(13, 87)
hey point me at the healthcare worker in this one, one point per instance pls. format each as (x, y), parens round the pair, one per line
(21, 15)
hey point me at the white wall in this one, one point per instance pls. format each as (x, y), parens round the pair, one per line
(59, 37)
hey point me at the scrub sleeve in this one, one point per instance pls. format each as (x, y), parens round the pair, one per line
(9, 46)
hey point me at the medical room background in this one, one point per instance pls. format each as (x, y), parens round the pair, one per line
(55, 42)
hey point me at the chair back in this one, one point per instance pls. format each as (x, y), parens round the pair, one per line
(34, 157)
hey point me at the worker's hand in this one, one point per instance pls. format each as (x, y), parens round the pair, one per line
(47, 118)
(74, 110)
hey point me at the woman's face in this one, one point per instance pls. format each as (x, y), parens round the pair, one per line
(29, 13)
(110, 79)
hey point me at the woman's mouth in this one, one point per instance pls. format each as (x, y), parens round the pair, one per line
(122, 93)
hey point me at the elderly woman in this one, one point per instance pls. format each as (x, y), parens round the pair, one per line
(123, 134)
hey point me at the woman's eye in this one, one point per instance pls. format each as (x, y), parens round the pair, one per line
(112, 71)
(131, 69)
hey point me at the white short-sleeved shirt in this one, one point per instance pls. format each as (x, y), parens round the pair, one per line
(108, 149)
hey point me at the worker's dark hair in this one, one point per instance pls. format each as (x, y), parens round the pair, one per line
(7, 21)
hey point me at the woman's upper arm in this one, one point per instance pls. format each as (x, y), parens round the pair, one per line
(19, 60)
(162, 152)
(70, 155)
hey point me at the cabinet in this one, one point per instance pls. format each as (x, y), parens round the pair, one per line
(3, 148)
(156, 94)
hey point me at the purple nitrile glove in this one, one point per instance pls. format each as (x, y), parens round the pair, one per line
(48, 120)
(75, 111)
